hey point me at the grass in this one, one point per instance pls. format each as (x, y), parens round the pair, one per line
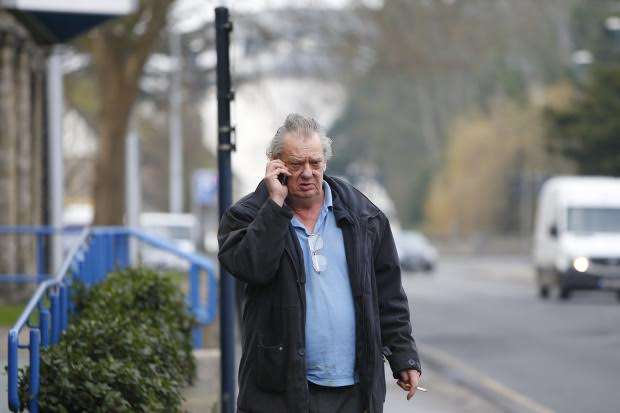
(9, 313)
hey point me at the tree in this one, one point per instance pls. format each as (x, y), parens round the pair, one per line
(588, 131)
(120, 50)
(493, 166)
(430, 62)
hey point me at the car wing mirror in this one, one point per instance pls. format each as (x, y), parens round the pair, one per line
(553, 231)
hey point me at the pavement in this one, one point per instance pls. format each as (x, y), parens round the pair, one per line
(204, 395)
(443, 395)
(453, 385)
(489, 344)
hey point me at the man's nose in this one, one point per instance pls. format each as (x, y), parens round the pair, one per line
(307, 171)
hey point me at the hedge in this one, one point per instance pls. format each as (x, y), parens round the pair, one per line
(128, 349)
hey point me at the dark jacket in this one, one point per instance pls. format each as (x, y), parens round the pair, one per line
(259, 247)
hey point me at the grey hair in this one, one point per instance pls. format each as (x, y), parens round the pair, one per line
(303, 127)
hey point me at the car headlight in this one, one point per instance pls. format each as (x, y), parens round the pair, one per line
(581, 264)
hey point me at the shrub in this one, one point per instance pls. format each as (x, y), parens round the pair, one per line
(128, 349)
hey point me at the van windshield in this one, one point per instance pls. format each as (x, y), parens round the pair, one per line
(593, 220)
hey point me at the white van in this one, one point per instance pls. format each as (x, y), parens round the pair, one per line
(180, 229)
(577, 235)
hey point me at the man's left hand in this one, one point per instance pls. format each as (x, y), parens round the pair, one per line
(408, 381)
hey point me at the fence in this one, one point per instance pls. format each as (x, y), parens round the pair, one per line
(97, 252)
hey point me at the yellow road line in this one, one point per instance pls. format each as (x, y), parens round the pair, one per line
(485, 381)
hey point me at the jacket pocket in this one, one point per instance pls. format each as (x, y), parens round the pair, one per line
(270, 366)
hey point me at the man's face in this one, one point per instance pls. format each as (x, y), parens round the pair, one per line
(304, 159)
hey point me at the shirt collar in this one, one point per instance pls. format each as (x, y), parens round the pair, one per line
(328, 204)
(328, 201)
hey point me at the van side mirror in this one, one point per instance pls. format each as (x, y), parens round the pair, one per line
(553, 231)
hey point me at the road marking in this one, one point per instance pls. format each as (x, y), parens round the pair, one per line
(483, 380)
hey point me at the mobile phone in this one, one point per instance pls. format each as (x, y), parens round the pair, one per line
(282, 178)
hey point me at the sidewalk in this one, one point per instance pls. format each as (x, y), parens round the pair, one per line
(443, 396)
(203, 397)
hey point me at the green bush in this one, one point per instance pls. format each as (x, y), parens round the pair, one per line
(127, 350)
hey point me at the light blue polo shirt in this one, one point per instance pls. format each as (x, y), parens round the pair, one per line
(330, 313)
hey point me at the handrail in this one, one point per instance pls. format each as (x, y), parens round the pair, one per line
(41, 234)
(33, 229)
(171, 248)
(203, 315)
(99, 250)
(64, 268)
(39, 335)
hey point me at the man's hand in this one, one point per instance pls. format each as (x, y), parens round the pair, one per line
(277, 191)
(408, 381)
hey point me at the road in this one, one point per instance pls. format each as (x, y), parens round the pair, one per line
(483, 314)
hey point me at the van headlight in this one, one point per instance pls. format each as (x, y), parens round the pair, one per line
(581, 264)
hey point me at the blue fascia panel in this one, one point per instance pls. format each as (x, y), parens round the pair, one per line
(51, 27)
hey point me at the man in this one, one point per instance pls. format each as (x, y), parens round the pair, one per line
(322, 301)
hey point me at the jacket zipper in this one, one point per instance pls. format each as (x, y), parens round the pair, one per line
(364, 314)
(298, 279)
(300, 291)
(354, 248)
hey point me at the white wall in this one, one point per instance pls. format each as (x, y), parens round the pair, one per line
(259, 109)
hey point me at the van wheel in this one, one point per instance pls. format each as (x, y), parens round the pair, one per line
(565, 293)
(543, 291)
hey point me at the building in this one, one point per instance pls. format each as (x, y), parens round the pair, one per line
(29, 29)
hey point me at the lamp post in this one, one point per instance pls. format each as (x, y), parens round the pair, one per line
(223, 27)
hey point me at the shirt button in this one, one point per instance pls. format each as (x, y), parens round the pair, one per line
(301, 352)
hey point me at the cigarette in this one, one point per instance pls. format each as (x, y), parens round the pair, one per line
(421, 388)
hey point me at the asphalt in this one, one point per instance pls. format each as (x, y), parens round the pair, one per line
(483, 317)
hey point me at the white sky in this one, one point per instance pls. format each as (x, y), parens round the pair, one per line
(190, 14)
(259, 108)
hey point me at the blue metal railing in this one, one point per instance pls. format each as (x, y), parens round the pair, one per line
(97, 252)
(42, 235)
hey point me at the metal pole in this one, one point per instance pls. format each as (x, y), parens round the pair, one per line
(55, 171)
(133, 189)
(176, 127)
(223, 27)
(35, 360)
(194, 302)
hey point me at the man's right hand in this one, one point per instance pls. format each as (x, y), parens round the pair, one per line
(277, 191)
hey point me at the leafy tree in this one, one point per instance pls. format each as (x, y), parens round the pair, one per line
(492, 168)
(120, 50)
(588, 131)
(430, 62)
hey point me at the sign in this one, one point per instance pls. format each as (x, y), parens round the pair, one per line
(204, 187)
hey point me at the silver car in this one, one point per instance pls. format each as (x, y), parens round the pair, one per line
(415, 252)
